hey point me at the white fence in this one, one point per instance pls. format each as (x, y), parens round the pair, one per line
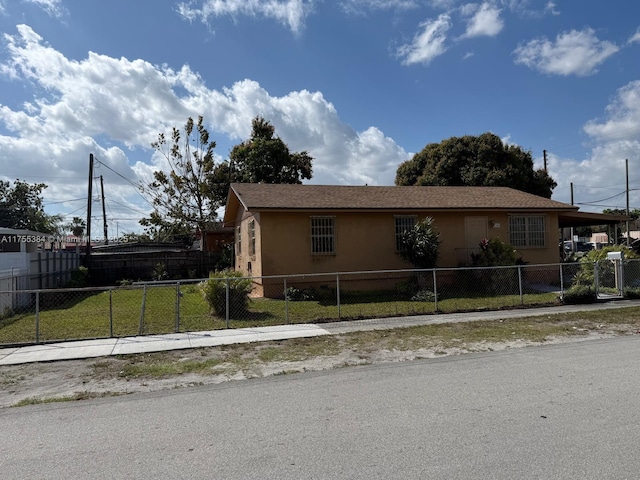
(11, 282)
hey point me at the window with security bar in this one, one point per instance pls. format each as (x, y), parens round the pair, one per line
(323, 235)
(403, 223)
(238, 240)
(527, 230)
(252, 237)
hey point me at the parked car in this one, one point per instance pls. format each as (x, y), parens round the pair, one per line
(584, 246)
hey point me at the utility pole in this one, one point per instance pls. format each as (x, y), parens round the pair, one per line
(627, 175)
(89, 193)
(573, 244)
(104, 213)
(544, 154)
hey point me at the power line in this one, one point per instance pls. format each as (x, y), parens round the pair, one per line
(134, 185)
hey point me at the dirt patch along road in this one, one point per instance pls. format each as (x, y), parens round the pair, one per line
(81, 379)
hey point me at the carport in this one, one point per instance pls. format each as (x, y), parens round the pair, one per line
(569, 220)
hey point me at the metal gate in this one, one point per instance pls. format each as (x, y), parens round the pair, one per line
(609, 276)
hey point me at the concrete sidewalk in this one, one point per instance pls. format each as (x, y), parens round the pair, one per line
(177, 341)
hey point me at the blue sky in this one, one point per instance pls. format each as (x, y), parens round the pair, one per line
(360, 84)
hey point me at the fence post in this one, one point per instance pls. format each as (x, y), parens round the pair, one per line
(177, 307)
(40, 271)
(110, 313)
(561, 282)
(286, 302)
(338, 293)
(596, 280)
(38, 316)
(435, 291)
(520, 284)
(227, 301)
(144, 301)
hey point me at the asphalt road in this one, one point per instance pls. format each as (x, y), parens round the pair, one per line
(555, 412)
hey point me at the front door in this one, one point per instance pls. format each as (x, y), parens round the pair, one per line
(476, 228)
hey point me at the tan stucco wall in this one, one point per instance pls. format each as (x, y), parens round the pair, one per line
(365, 241)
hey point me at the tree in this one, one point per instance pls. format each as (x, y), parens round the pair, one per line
(21, 207)
(185, 197)
(420, 244)
(475, 161)
(264, 158)
(77, 226)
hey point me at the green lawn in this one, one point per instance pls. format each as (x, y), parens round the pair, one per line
(80, 315)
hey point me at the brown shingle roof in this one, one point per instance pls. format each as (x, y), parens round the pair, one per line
(262, 196)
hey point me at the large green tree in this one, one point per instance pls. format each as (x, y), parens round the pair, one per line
(21, 207)
(263, 158)
(482, 160)
(184, 197)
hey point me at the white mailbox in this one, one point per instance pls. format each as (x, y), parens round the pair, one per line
(615, 256)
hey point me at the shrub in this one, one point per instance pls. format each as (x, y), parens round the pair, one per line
(420, 245)
(294, 294)
(160, 272)
(214, 292)
(409, 287)
(493, 253)
(579, 294)
(424, 295)
(79, 278)
(632, 293)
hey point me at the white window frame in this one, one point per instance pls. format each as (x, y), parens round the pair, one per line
(252, 237)
(402, 224)
(323, 235)
(528, 231)
(239, 240)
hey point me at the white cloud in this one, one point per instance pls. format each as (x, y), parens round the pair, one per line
(602, 174)
(635, 38)
(362, 6)
(442, 4)
(551, 8)
(623, 116)
(291, 13)
(572, 53)
(483, 20)
(114, 107)
(52, 7)
(428, 44)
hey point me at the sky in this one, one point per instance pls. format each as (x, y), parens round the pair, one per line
(361, 85)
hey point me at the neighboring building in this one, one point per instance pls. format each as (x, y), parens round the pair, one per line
(25, 263)
(285, 229)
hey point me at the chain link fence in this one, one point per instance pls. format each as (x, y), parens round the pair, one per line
(40, 316)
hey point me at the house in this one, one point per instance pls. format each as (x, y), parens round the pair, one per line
(283, 229)
(26, 264)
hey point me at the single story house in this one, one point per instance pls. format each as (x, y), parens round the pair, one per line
(283, 229)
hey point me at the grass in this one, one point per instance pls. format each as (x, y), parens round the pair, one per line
(463, 335)
(439, 337)
(119, 312)
(364, 347)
